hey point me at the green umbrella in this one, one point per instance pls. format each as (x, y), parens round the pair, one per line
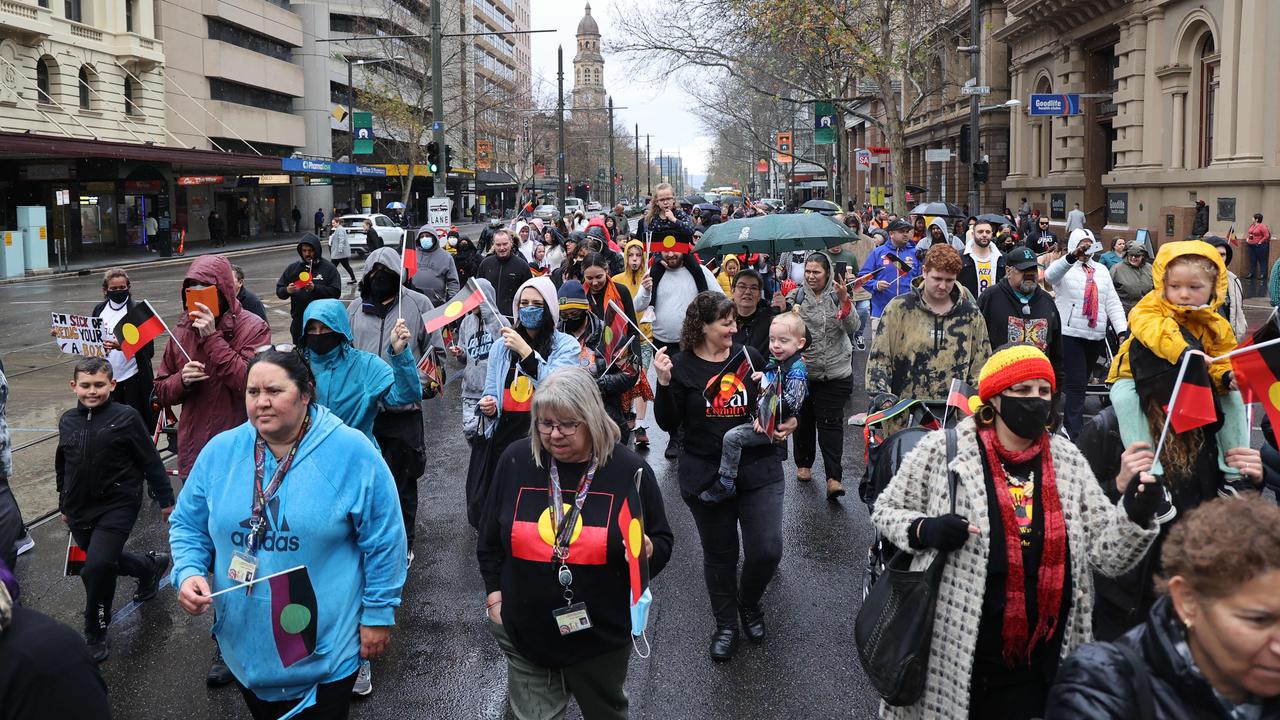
(774, 234)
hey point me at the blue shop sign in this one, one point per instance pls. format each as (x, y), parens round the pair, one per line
(1047, 104)
(328, 167)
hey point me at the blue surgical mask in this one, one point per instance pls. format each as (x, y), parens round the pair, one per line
(640, 621)
(531, 316)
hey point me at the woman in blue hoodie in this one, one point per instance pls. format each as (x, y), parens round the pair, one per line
(293, 646)
(351, 382)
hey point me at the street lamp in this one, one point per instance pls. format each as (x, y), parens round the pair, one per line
(1006, 105)
(351, 112)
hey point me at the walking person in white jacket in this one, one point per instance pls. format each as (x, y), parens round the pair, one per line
(340, 249)
(1087, 301)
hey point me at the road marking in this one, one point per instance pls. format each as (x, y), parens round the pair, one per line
(133, 605)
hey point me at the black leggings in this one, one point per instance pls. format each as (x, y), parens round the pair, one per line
(823, 414)
(333, 702)
(343, 262)
(106, 559)
(759, 512)
(400, 437)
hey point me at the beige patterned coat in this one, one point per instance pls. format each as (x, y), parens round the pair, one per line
(1110, 542)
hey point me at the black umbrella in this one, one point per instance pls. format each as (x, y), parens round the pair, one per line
(826, 207)
(917, 189)
(708, 207)
(940, 209)
(993, 218)
(693, 200)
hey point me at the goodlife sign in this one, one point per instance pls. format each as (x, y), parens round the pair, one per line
(1055, 104)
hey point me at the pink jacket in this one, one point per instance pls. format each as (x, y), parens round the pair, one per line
(1258, 234)
(216, 404)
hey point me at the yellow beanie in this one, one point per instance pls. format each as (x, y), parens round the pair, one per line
(1013, 365)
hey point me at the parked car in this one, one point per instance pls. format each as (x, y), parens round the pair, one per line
(390, 233)
(593, 206)
(548, 213)
(572, 205)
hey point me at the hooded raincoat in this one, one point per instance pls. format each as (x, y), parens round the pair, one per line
(351, 382)
(344, 527)
(1158, 324)
(216, 404)
(437, 275)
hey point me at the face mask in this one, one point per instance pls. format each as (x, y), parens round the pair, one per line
(1026, 417)
(426, 242)
(573, 325)
(382, 286)
(640, 620)
(324, 343)
(119, 297)
(531, 317)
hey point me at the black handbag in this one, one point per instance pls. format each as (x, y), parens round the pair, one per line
(894, 628)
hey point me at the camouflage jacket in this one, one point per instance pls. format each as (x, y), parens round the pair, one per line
(917, 352)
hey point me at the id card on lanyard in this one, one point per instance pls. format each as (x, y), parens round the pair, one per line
(573, 617)
(244, 564)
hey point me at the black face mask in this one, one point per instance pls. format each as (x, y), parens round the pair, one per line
(571, 325)
(119, 297)
(1026, 417)
(382, 286)
(324, 343)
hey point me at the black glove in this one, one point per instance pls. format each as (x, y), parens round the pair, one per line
(1141, 507)
(945, 532)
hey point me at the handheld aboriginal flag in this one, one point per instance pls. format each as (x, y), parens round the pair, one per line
(962, 398)
(293, 615)
(903, 267)
(615, 331)
(1191, 405)
(1257, 367)
(467, 299)
(676, 239)
(138, 327)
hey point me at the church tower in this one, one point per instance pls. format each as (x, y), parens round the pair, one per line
(588, 65)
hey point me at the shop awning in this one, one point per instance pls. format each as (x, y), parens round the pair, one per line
(329, 167)
(30, 146)
(494, 179)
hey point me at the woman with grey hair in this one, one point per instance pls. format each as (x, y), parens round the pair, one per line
(573, 530)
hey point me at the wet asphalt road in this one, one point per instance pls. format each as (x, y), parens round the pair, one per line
(442, 662)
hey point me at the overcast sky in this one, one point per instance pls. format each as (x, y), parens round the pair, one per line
(659, 110)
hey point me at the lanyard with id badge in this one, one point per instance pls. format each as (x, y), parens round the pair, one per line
(244, 564)
(573, 616)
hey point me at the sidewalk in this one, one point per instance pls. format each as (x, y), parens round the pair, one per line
(133, 257)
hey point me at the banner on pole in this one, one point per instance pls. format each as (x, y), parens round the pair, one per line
(782, 141)
(824, 123)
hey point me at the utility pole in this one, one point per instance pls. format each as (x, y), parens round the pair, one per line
(438, 178)
(636, 177)
(975, 28)
(613, 173)
(560, 191)
(648, 169)
(351, 130)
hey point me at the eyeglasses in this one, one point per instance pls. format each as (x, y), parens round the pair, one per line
(281, 347)
(567, 429)
(740, 287)
(1044, 224)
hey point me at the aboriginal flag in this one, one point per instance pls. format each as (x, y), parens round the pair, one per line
(632, 530)
(410, 261)
(304, 277)
(861, 280)
(1191, 405)
(730, 381)
(293, 615)
(517, 396)
(897, 262)
(963, 398)
(615, 331)
(770, 403)
(1258, 371)
(676, 239)
(138, 327)
(76, 558)
(467, 299)
(533, 534)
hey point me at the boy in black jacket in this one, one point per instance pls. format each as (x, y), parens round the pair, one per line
(103, 453)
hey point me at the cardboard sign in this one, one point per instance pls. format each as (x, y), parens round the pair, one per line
(80, 335)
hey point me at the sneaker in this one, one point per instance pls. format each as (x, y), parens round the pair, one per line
(718, 492)
(1235, 486)
(97, 644)
(24, 544)
(364, 679)
(642, 438)
(1165, 509)
(409, 559)
(859, 344)
(149, 584)
(219, 674)
(673, 450)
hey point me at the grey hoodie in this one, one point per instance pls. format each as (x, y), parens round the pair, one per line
(475, 337)
(372, 333)
(927, 241)
(437, 275)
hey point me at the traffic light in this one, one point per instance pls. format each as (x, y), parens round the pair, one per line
(448, 157)
(433, 157)
(981, 171)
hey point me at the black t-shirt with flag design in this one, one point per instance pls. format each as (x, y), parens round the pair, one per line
(515, 550)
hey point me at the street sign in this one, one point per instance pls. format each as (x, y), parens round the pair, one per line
(762, 165)
(937, 155)
(1047, 104)
(438, 211)
(864, 158)
(437, 126)
(976, 90)
(362, 127)
(782, 141)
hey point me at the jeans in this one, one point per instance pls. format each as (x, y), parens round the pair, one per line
(759, 513)
(823, 414)
(399, 436)
(863, 308)
(12, 528)
(744, 435)
(1078, 358)
(1258, 260)
(333, 702)
(1132, 422)
(105, 560)
(538, 693)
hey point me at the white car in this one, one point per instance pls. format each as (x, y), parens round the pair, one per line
(547, 213)
(572, 205)
(390, 233)
(593, 206)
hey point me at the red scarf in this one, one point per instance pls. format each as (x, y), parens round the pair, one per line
(1017, 644)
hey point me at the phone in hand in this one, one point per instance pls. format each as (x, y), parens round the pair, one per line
(841, 269)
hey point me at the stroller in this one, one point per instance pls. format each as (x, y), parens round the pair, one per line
(889, 435)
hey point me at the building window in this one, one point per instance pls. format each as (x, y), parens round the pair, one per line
(232, 92)
(128, 15)
(233, 35)
(72, 10)
(1208, 98)
(83, 86)
(129, 107)
(1042, 138)
(44, 87)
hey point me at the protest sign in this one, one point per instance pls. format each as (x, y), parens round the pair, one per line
(80, 335)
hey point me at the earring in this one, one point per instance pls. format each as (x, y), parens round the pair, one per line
(986, 415)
